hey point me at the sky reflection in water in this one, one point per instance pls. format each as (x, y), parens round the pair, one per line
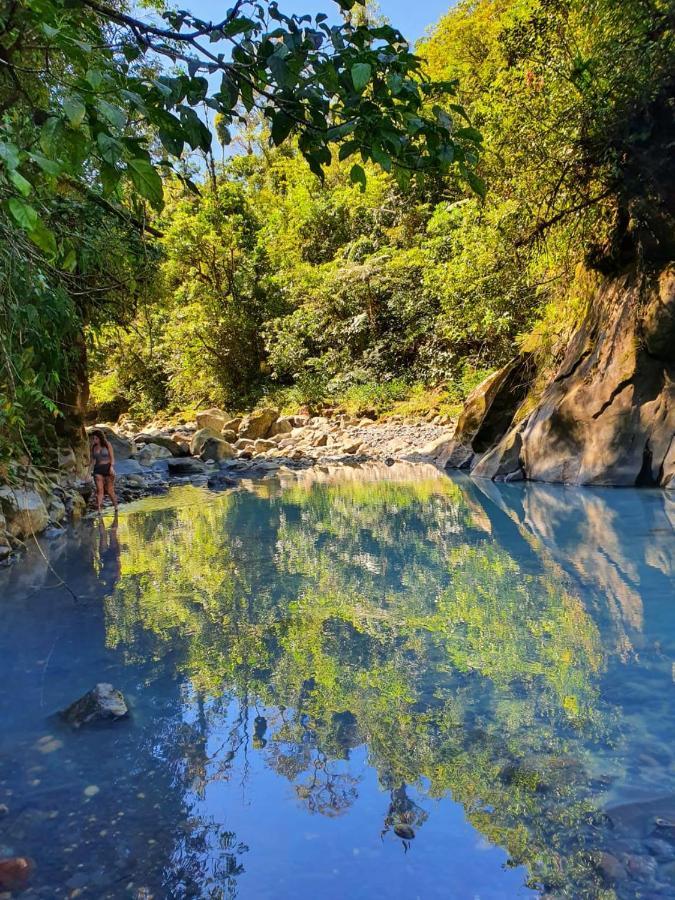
(359, 682)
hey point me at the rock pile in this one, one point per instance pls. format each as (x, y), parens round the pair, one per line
(33, 502)
(266, 434)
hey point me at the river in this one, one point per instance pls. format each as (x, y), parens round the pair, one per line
(362, 682)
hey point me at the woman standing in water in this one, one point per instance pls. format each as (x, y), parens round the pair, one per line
(103, 461)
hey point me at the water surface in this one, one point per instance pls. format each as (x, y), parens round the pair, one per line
(359, 682)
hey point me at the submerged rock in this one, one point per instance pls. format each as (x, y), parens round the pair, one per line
(14, 872)
(404, 831)
(186, 466)
(103, 703)
(611, 869)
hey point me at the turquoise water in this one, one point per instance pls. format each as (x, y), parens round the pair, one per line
(360, 682)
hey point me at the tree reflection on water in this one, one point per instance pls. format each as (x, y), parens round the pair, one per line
(461, 633)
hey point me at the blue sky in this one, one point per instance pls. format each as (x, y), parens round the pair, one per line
(411, 18)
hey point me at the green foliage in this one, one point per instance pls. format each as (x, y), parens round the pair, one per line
(95, 71)
(97, 107)
(318, 274)
(42, 310)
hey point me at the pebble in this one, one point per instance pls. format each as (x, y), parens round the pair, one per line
(14, 872)
(91, 790)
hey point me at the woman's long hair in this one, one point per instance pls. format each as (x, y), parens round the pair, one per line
(102, 439)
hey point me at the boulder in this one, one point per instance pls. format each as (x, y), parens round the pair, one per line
(298, 421)
(173, 446)
(281, 426)
(258, 424)
(261, 445)
(437, 448)
(503, 462)
(185, 466)
(123, 448)
(24, 511)
(351, 447)
(150, 453)
(67, 461)
(128, 467)
(76, 505)
(216, 449)
(199, 438)
(244, 444)
(488, 412)
(232, 424)
(102, 704)
(229, 435)
(56, 509)
(214, 419)
(5, 545)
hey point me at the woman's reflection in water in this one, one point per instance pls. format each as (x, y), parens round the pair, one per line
(108, 551)
(403, 815)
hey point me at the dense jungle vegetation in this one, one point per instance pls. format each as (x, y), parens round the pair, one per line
(372, 227)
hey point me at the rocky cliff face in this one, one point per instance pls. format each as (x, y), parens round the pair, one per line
(608, 414)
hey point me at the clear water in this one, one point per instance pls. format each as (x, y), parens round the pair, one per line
(363, 683)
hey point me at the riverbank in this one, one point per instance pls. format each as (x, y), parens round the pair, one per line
(215, 451)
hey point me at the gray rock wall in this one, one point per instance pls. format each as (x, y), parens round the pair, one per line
(608, 415)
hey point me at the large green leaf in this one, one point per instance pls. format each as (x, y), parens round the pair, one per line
(282, 126)
(75, 111)
(23, 213)
(9, 154)
(23, 185)
(111, 150)
(146, 180)
(43, 238)
(50, 166)
(112, 114)
(51, 137)
(361, 75)
(358, 176)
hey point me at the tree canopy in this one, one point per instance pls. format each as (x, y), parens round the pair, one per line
(104, 99)
(344, 248)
